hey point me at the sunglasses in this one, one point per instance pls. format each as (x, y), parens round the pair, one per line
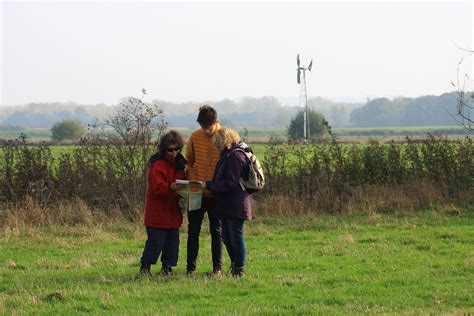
(170, 150)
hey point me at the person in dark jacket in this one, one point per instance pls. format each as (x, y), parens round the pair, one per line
(233, 201)
(163, 217)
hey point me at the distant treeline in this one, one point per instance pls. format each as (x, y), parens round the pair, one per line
(401, 111)
(266, 111)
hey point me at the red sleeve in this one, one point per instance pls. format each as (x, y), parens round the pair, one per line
(181, 175)
(157, 179)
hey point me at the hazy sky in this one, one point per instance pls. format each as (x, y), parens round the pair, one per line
(98, 52)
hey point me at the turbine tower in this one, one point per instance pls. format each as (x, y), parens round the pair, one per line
(304, 96)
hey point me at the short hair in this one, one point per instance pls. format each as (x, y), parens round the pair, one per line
(171, 138)
(225, 137)
(207, 116)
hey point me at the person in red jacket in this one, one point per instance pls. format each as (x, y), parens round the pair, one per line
(163, 217)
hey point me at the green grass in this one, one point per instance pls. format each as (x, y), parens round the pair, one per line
(38, 134)
(414, 263)
(45, 135)
(57, 151)
(401, 131)
(259, 150)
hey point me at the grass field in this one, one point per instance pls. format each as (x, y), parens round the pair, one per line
(38, 135)
(417, 263)
(401, 131)
(57, 151)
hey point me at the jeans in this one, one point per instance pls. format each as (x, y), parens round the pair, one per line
(165, 241)
(233, 237)
(194, 228)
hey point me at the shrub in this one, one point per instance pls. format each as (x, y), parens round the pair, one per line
(317, 124)
(332, 176)
(67, 130)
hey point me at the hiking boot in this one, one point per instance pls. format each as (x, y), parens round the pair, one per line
(238, 272)
(217, 271)
(231, 268)
(166, 270)
(145, 270)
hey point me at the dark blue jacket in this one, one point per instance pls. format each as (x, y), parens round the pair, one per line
(232, 201)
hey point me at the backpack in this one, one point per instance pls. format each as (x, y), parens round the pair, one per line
(256, 179)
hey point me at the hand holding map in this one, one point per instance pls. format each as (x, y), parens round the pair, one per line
(191, 191)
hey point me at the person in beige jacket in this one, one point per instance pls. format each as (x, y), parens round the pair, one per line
(202, 156)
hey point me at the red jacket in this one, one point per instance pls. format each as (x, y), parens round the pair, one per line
(161, 206)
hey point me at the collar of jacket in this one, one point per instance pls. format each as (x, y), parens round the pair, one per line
(240, 145)
(179, 162)
(218, 127)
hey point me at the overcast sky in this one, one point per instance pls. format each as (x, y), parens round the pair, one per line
(102, 51)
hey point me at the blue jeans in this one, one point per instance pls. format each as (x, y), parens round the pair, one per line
(164, 241)
(233, 238)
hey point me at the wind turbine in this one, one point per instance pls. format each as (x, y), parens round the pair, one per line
(304, 93)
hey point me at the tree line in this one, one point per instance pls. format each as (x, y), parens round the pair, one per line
(266, 111)
(402, 111)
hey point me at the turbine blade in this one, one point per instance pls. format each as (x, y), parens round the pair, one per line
(298, 77)
(298, 60)
(310, 65)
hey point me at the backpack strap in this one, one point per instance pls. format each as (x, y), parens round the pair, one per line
(242, 151)
(242, 186)
(241, 181)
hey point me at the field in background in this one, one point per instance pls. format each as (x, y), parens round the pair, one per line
(57, 151)
(400, 131)
(33, 135)
(263, 135)
(415, 263)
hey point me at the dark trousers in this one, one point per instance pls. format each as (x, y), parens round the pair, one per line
(233, 237)
(194, 228)
(160, 240)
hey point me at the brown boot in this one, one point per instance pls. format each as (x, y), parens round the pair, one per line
(166, 270)
(231, 268)
(145, 270)
(217, 271)
(238, 272)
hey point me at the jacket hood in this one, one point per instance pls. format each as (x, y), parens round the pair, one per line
(239, 145)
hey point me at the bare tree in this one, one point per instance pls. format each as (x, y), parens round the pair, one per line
(465, 97)
(136, 121)
(124, 153)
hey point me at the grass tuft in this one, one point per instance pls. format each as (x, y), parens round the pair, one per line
(53, 297)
